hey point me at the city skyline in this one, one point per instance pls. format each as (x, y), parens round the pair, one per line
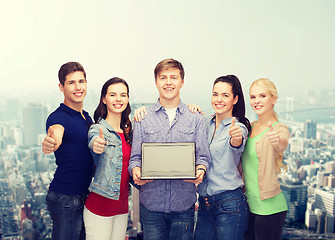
(308, 184)
(319, 106)
(25, 172)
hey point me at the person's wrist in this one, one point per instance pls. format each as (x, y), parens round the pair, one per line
(201, 168)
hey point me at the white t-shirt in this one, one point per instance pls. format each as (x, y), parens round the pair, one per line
(171, 112)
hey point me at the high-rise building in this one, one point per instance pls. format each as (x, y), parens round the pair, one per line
(329, 224)
(310, 129)
(322, 178)
(321, 220)
(296, 198)
(310, 220)
(34, 117)
(330, 167)
(325, 200)
(330, 181)
(331, 141)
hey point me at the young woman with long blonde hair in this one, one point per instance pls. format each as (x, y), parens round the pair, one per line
(261, 161)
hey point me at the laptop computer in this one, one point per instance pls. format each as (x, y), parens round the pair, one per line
(168, 161)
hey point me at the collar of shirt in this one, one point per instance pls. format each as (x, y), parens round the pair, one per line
(104, 123)
(71, 111)
(181, 108)
(225, 122)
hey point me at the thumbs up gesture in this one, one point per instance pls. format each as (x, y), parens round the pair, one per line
(49, 142)
(273, 136)
(99, 143)
(236, 134)
(53, 139)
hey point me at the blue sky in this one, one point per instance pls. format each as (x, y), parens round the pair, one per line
(289, 41)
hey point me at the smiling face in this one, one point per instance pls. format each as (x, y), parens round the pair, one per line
(169, 83)
(261, 100)
(116, 99)
(74, 89)
(223, 100)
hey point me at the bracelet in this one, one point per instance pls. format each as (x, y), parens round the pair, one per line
(202, 169)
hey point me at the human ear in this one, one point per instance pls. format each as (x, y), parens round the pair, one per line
(61, 87)
(182, 83)
(274, 100)
(235, 100)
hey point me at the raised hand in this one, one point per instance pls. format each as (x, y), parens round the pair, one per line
(236, 134)
(49, 143)
(99, 143)
(273, 136)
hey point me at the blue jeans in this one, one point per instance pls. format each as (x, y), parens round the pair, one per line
(222, 216)
(167, 225)
(66, 212)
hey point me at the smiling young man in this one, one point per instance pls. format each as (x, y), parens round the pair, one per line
(167, 206)
(67, 129)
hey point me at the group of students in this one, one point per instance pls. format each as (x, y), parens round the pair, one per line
(237, 163)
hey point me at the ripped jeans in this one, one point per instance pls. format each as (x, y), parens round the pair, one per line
(167, 225)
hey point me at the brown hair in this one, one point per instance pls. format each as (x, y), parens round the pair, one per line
(239, 107)
(68, 68)
(169, 63)
(101, 111)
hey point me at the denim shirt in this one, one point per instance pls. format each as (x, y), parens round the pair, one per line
(169, 195)
(108, 170)
(223, 174)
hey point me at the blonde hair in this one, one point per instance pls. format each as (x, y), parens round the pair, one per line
(271, 88)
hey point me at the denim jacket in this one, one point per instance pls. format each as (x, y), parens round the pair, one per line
(106, 181)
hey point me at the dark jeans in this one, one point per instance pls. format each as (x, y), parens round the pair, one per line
(164, 226)
(66, 212)
(223, 216)
(265, 227)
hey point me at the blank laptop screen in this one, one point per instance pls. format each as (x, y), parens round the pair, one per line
(168, 161)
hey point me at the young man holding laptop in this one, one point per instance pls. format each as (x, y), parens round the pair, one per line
(167, 205)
